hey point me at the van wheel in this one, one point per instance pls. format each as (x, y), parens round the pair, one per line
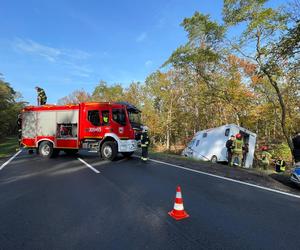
(46, 149)
(127, 154)
(214, 159)
(109, 150)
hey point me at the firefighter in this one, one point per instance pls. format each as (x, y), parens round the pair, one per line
(265, 157)
(229, 146)
(19, 127)
(237, 150)
(105, 119)
(145, 143)
(245, 152)
(280, 165)
(41, 96)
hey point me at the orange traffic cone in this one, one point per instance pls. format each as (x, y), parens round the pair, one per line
(178, 212)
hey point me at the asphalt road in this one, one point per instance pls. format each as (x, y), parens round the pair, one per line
(62, 204)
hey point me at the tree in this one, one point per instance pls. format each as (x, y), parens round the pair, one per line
(75, 97)
(10, 107)
(105, 93)
(263, 27)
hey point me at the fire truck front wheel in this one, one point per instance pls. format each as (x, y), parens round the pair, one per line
(46, 149)
(109, 150)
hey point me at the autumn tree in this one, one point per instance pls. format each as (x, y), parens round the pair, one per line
(258, 42)
(105, 93)
(75, 97)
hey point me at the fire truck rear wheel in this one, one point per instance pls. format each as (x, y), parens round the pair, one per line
(46, 149)
(109, 150)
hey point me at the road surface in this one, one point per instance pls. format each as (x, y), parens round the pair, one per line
(67, 203)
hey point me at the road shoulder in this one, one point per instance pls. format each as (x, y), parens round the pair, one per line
(272, 181)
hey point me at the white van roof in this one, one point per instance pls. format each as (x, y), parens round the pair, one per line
(227, 126)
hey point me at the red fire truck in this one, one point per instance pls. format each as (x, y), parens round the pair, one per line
(107, 128)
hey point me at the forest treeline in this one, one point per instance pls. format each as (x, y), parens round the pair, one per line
(243, 70)
(10, 107)
(250, 78)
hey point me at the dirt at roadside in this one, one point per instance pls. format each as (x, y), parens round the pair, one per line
(272, 180)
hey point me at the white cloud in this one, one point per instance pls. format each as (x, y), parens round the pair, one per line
(141, 37)
(76, 54)
(50, 53)
(71, 59)
(148, 63)
(31, 47)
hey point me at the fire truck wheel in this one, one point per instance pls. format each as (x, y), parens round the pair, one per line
(46, 149)
(109, 150)
(214, 159)
(127, 154)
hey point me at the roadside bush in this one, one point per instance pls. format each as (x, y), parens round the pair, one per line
(282, 151)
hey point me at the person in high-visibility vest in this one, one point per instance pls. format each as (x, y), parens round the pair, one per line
(237, 152)
(145, 141)
(265, 157)
(280, 165)
(41, 96)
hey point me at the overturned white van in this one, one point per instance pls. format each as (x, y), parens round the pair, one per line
(210, 144)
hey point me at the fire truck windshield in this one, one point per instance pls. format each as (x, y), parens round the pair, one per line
(134, 117)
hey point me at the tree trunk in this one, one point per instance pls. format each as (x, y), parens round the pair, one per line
(283, 111)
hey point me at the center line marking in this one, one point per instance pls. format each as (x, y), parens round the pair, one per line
(13, 157)
(89, 166)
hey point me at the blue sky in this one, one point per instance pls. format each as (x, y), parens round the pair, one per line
(67, 45)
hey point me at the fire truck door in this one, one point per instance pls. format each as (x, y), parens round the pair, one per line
(92, 129)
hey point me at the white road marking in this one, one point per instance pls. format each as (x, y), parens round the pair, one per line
(89, 166)
(13, 157)
(228, 179)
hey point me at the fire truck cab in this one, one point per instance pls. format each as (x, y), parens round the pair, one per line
(107, 128)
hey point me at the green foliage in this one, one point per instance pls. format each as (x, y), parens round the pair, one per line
(252, 81)
(8, 146)
(105, 93)
(203, 47)
(282, 151)
(75, 97)
(259, 43)
(9, 109)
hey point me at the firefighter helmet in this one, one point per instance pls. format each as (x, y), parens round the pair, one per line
(238, 136)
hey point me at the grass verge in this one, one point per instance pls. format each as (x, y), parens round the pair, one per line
(8, 146)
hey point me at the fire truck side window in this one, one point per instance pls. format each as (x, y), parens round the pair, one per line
(119, 116)
(93, 117)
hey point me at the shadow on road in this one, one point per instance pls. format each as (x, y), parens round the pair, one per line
(284, 179)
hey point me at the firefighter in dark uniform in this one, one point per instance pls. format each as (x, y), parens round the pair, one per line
(19, 127)
(145, 143)
(41, 98)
